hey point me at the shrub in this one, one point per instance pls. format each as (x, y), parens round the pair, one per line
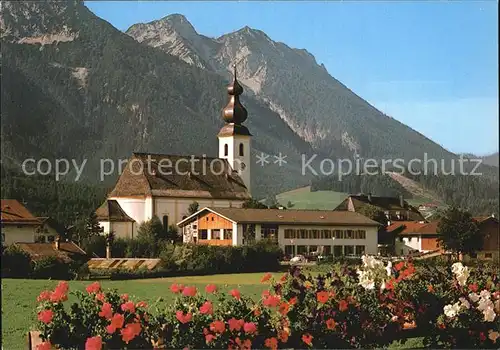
(15, 262)
(52, 267)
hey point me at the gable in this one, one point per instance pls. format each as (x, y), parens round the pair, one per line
(210, 220)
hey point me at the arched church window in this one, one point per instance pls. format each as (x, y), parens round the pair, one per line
(241, 150)
(226, 150)
(165, 222)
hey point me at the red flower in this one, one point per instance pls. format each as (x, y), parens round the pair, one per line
(218, 326)
(59, 293)
(249, 327)
(271, 343)
(130, 331)
(207, 308)
(45, 316)
(235, 325)
(44, 295)
(116, 322)
(211, 288)
(283, 336)
(307, 338)
(209, 338)
(330, 324)
(235, 293)
(183, 318)
(62, 286)
(100, 297)
(44, 346)
(176, 288)
(473, 287)
(441, 325)
(266, 293)
(189, 291)
(142, 304)
(128, 306)
(430, 288)
(94, 343)
(284, 277)
(293, 301)
(93, 288)
(257, 312)
(271, 301)
(343, 305)
(284, 308)
(266, 277)
(106, 311)
(322, 297)
(482, 337)
(399, 266)
(124, 297)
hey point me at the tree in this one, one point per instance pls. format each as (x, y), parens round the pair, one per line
(92, 226)
(374, 213)
(272, 202)
(152, 230)
(254, 204)
(459, 232)
(193, 208)
(290, 205)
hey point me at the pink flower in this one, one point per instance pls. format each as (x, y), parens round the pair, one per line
(266, 277)
(93, 288)
(250, 327)
(142, 304)
(183, 318)
(94, 343)
(44, 296)
(209, 338)
(218, 327)
(100, 296)
(116, 322)
(106, 311)
(211, 288)
(271, 301)
(45, 316)
(124, 297)
(235, 325)
(128, 306)
(130, 331)
(189, 291)
(235, 293)
(207, 308)
(176, 288)
(44, 346)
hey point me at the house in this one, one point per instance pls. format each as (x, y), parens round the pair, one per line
(49, 229)
(165, 185)
(295, 231)
(394, 208)
(423, 237)
(65, 251)
(18, 224)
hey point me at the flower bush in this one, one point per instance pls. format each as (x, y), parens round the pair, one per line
(346, 308)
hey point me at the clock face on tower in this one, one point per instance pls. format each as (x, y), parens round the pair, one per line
(243, 166)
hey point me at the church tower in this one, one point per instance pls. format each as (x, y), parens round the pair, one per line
(234, 138)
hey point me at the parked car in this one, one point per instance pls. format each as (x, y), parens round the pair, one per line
(298, 259)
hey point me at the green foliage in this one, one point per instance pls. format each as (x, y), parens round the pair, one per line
(254, 204)
(373, 213)
(193, 208)
(151, 230)
(15, 262)
(458, 232)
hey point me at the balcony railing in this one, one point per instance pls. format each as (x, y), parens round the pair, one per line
(219, 242)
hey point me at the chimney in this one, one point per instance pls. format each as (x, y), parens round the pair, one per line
(401, 201)
(369, 197)
(57, 242)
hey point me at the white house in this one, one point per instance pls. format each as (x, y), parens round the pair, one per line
(295, 231)
(166, 185)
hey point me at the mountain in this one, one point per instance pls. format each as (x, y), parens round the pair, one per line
(75, 87)
(492, 159)
(318, 107)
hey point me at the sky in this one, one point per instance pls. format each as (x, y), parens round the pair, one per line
(432, 65)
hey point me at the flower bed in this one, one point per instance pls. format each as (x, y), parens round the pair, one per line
(346, 308)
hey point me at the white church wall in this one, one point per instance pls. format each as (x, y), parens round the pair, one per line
(134, 207)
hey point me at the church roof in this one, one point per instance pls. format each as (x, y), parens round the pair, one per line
(166, 175)
(111, 210)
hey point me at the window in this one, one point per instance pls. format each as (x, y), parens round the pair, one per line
(241, 149)
(40, 239)
(339, 234)
(401, 239)
(50, 238)
(327, 250)
(301, 249)
(360, 250)
(228, 234)
(203, 234)
(409, 239)
(337, 250)
(289, 250)
(315, 234)
(288, 233)
(215, 234)
(349, 250)
(165, 222)
(488, 255)
(350, 234)
(313, 248)
(226, 150)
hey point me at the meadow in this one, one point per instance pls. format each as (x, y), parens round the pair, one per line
(19, 298)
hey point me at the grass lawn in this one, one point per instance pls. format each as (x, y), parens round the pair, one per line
(19, 298)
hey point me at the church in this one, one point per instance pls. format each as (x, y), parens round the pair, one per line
(165, 185)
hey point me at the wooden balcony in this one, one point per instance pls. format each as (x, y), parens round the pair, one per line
(220, 242)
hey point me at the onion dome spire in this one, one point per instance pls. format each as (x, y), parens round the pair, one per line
(234, 112)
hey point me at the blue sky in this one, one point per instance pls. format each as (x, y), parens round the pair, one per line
(433, 65)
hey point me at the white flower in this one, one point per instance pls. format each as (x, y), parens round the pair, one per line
(485, 304)
(388, 268)
(489, 314)
(474, 297)
(485, 294)
(367, 283)
(451, 310)
(394, 318)
(493, 335)
(456, 267)
(464, 303)
(382, 286)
